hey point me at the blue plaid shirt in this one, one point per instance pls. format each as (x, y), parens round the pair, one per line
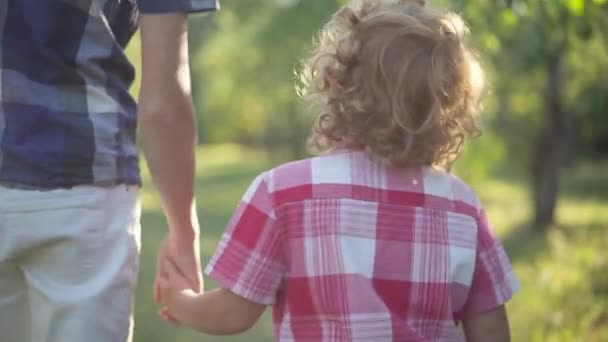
(66, 116)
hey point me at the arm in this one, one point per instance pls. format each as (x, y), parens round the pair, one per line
(168, 123)
(250, 267)
(489, 326)
(492, 285)
(168, 129)
(218, 312)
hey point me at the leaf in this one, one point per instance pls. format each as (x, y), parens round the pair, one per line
(599, 2)
(577, 7)
(508, 20)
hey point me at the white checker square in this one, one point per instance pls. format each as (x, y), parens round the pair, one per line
(462, 264)
(331, 169)
(358, 255)
(438, 183)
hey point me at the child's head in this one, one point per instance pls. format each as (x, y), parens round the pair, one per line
(395, 78)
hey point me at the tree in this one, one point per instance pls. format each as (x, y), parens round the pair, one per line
(538, 35)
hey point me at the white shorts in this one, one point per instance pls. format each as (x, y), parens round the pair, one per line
(68, 264)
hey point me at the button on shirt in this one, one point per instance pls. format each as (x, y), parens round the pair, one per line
(66, 116)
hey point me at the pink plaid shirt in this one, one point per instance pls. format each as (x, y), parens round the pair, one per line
(348, 249)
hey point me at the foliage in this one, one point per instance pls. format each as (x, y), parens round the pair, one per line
(517, 38)
(249, 95)
(244, 60)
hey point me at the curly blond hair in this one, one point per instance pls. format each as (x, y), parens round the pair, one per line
(394, 78)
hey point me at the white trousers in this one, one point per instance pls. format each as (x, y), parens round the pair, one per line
(68, 264)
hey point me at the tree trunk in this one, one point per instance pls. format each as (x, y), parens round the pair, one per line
(545, 179)
(547, 155)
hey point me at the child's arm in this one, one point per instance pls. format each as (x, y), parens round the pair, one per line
(218, 312)
(484, 316)
(489, 326)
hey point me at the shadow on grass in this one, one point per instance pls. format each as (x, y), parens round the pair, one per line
(587, 180)
(525, 242)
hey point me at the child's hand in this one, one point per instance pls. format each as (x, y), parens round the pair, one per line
(217, 312)
(176, 294)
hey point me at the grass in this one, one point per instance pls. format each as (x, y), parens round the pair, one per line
(224, 174)
(563, 272)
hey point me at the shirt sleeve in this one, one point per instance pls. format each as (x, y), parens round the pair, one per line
(494, 282)
(249, 258)
(177, 6)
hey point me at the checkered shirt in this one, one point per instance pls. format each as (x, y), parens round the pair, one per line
(66, 116)
(348, 249)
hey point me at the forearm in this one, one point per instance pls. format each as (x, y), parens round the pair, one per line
(216, 312)
(169, 144)
(167, 118)
(489, 326)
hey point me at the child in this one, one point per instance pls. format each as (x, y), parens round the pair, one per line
(373, 240)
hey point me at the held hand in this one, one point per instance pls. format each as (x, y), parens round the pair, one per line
(176, 294)
(183, 253)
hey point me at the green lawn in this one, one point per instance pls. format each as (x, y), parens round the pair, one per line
(564, 273)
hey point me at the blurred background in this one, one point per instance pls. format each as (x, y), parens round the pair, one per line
(540, 167)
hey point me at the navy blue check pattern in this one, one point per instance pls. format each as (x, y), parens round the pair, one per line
(66, 116)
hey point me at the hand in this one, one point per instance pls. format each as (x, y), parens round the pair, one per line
(182, 251)
(176, 293)
(218, 312)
